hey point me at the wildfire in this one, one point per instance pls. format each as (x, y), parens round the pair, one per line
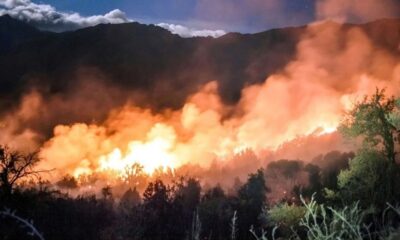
(307, 98)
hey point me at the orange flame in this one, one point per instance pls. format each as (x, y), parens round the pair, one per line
(152, 154)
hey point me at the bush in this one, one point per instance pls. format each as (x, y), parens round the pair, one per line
(286, 215)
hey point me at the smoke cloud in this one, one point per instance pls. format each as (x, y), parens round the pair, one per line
(358, 11)
(249, 13)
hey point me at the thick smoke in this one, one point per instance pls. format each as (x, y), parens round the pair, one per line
(32, 122)
(250, 13)
(358, 11)
(10, 125)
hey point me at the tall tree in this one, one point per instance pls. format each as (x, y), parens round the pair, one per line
(376, 119)
(252, 198)
(373, 173)
(187, 199)
(161, 216)
(215, 212)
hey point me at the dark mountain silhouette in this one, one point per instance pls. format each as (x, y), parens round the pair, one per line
(145, 57)
(14, 32)
(147, 63)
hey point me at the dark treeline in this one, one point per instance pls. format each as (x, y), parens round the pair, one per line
(164, 211)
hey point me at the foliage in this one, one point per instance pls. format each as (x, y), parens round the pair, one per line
(162, 221)
(330, 166)
(289, 179)
(394, 115)
(187, 197)
(58, 216)
(326, 223)
(367, 179)
(376, 120)
(286, 215)
(372, 174)
(252, 198)
(216, 211)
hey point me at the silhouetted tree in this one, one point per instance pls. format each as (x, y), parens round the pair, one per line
(252, 199)
(215, 212)
(130, 199)
(15, 166)
(330, 165)
(68, 182)
(58, 216)
(162, 217)
(135, 176)
(313, 187)
(187, 197)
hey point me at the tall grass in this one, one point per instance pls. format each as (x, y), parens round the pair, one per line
(321, 222)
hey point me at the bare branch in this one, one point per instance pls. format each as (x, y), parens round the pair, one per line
(28, 224)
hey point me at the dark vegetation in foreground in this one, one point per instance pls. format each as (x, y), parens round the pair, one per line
(353, 196)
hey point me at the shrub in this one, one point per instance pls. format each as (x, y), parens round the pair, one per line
(286, 215)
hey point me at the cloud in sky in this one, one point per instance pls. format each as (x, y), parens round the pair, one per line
(46, 17)
(190, 32)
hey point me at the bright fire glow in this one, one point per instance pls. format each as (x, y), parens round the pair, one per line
(152, 154)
